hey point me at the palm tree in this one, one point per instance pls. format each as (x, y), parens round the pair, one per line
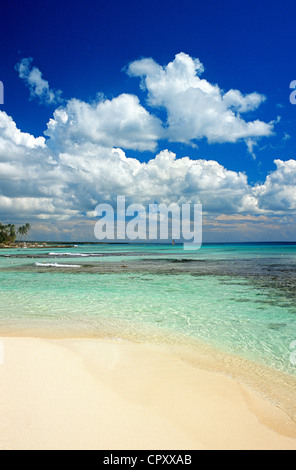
(11, 233)
(24, 230)
(7, 233)
(21, 231)
(28, 228)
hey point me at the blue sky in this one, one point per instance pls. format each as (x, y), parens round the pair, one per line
(159, 81)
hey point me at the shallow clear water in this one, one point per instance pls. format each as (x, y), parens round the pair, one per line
(238, 298)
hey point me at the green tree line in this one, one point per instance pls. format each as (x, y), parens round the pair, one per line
(9, 232)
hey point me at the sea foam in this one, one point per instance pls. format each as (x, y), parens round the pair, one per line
(56, 265)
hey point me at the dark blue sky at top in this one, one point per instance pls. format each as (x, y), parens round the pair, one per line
(82, 48)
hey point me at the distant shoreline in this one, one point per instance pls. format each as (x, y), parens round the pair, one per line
(54, 244)
(35, 245)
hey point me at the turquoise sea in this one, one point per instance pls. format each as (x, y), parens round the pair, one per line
(239, 298)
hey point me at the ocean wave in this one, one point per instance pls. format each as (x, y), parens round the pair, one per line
(56, 265)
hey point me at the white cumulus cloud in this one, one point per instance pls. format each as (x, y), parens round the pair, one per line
(196, 108)
(40, 181)
(14, 143)
(120, 122)
(278, 192)
(84, 159)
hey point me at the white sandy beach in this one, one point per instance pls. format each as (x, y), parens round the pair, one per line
(107, 394)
